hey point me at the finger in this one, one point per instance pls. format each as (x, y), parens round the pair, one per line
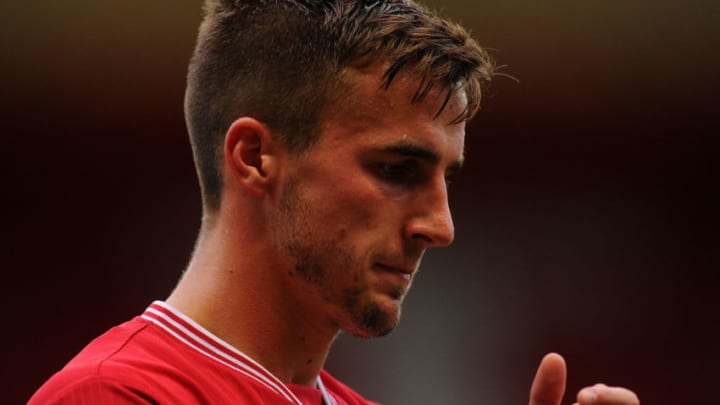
(601, 394)
(549, 384)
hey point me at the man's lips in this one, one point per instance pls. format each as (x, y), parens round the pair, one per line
(401, 271)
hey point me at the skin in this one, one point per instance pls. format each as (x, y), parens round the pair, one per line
(367, 201)
(548, 387)
(304, 246)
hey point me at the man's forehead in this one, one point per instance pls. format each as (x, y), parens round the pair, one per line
(366, 90)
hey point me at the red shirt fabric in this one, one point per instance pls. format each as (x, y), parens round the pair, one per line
(164, 357)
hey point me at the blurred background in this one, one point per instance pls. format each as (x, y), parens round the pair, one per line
(586, 217)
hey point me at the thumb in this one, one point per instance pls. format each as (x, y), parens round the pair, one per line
(549, 384)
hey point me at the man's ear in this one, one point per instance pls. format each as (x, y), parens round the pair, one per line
(251, 155)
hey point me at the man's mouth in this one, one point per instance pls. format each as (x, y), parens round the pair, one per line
(402, 272)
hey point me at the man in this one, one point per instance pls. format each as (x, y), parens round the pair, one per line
(323, 134)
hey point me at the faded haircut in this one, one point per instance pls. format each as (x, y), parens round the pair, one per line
(281, 62)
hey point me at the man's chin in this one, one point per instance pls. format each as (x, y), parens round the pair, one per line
(375, 320)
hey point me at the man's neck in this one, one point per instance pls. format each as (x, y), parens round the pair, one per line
(242, 298)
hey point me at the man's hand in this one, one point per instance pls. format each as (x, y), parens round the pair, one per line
(549, 386)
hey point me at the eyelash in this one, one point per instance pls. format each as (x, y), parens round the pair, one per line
(403, 172)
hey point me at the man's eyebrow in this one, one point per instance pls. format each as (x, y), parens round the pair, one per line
(411, 150)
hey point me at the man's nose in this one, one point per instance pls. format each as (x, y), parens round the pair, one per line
(432, 224)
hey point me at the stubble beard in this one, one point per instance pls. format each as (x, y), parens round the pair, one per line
(324, 262)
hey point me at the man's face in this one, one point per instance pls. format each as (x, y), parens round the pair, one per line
(358, 210)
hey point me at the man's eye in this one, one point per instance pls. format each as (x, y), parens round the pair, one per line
(397, 172)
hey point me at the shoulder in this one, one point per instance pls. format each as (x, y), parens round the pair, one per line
(139, 362)
(66, 388)
(342, 391)
(127, 364)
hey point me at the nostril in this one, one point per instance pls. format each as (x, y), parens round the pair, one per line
(422, 237)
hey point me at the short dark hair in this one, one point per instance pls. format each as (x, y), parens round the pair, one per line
(281, 62)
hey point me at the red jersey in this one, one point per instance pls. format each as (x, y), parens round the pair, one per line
(164, 357)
